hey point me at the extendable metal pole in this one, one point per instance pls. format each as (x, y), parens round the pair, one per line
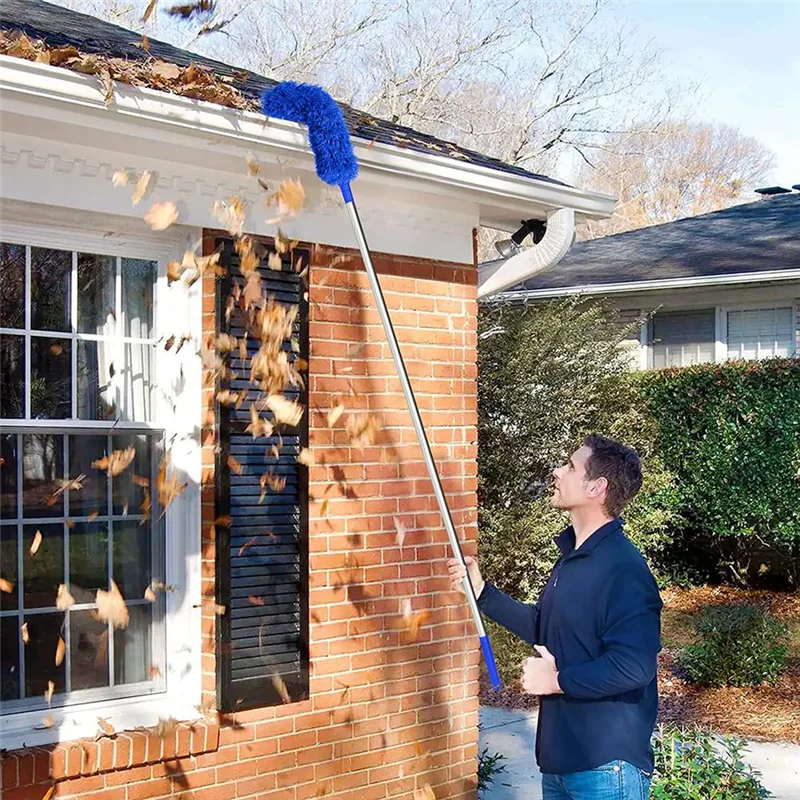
(455, 545)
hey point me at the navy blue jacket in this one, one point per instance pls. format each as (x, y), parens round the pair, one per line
(600, 617)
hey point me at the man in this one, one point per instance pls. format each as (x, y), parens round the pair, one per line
(596, 627)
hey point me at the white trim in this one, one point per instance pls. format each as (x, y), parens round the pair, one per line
(502, 193)
(644, 340)
(179, 414)
(664, 283)
(720, 335)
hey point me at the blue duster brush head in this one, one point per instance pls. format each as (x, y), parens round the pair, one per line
(327, 133)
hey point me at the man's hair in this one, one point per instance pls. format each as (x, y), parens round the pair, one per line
(619, 465)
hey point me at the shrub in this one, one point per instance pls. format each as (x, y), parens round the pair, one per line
(697, 765)
(489, 766)
(740, 645)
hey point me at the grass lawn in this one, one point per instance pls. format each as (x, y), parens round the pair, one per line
(764, 712)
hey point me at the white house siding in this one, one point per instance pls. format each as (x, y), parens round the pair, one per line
(720, 298)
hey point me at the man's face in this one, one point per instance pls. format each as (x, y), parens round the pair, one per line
(571, 488)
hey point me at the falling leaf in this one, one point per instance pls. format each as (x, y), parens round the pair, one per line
(93, 516)
(36, 543)
(56, 349)
(154, 672)
(61, 649)
(362, 429)
(225, 343)
(142, 186)
(231, 214)
(70, 484)
(120, 178)
(219, 610)
(235, 465)
(24, 629)
(252, 289)
(106, 726)
(161, 215)
(117, 462)
(273, 481)
(413, 620)
(401, 531)
(305, 456)
(334, 414)
(253, 167)
(323, 511)
(149, 10)
(140, 480)
(47, 722)
(168, 489)
(228, 398)
(280, 687)
(145, 43)
(256, 601)
(111, 606)
(49, 793)
(70, 523)
(165, 727)
(150, 595)
(425, 793)
(64, 599)
(125, 507)
(48, 695)
(287, 411)
(189, 10)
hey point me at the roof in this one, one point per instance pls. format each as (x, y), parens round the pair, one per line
(61, 27)
(744, 240)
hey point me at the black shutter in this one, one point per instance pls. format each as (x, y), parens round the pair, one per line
(262, 557)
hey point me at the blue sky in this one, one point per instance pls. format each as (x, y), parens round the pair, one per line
(746, 56)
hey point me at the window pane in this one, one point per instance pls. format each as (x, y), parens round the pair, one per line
(44, 570)
(88, 560)
(51, 378)
(12, 376)
(12, 286)
(96, 294)
(8, 565)
(132, 647)
(138, 280)
(40, 654)
(51, 284)
(137, 379)
(132, 558)
(93, 497)
(9, 650)
(95, 370)
(684, 337)
(88, 651)
(127, 494)
(8, 476)
(42, 469)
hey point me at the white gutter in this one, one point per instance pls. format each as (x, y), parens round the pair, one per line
(649, 286)
(517, 195)
(553, 246)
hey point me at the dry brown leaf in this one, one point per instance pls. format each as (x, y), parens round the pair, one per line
(47, 721)
(154, 672)
(256, 601)
(323, 510)
(168, 489)
(49, 793)
(145, 43)
(425, 793)
(106, 726)
(189, 10)
(225, 343)
(48, 695)
(219, 610)
(117, 462)
(253, 167)
(274, 262)
(165, 727)
(235, 465)
(413, 620)
(111, 606)
(286, 411)
(165, 70)
(228, 398)
(149, 10)
(362, 429)
(61, 649)
(246, 545)
(231, 214)
(305, 456)
(24, 629)
(142, 185)
(6, 586)
(280, 687)
(36, 543)
(149, 594)
(334, 415)
(93, 515)
(161, 215)
(56, 349)
(64, 599)
(273, 481)
(252, 289)
(69, 485)
(400, 530)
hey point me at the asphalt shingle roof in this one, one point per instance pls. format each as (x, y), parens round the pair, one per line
(60, 27)
(755, 237)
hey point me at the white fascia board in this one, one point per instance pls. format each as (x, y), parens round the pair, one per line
(502, 197)
(644, 286)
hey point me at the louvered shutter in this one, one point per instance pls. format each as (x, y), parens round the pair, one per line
(262, 557)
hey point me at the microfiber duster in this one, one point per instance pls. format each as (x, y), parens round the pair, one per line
(336, 165)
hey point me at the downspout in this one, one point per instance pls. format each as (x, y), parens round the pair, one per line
(547, 253)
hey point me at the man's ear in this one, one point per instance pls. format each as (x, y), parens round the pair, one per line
(598, 488)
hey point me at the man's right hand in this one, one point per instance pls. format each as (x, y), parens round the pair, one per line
(457, 573)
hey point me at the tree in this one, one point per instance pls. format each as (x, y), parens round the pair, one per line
(678, 169)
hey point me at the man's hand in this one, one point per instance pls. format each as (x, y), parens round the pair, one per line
(457, 573)
(540, 675)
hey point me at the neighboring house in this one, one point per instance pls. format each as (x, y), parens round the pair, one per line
(270, 652)
(722, 285)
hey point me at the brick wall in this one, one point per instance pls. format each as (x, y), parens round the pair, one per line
(386, 715)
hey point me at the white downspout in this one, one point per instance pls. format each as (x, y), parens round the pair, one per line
(535, 259)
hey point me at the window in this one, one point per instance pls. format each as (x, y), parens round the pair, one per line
(683, 338)
(761, 333)
(77, 356)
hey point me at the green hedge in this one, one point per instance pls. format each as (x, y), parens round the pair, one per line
(730, 434)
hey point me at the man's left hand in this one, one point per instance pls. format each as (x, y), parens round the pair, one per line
(540, 675)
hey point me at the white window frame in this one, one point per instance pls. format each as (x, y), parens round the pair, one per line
(179, 415)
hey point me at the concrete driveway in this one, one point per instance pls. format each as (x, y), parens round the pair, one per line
(513, 734)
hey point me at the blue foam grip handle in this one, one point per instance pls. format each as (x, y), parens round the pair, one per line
(347, 194)
(491, 666)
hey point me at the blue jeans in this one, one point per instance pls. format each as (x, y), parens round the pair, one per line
(617, 780)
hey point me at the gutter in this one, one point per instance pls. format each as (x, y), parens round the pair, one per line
(518, 195)
(649, 286)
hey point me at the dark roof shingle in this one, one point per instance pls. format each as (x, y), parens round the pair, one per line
(60, 27)
(755, 237)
